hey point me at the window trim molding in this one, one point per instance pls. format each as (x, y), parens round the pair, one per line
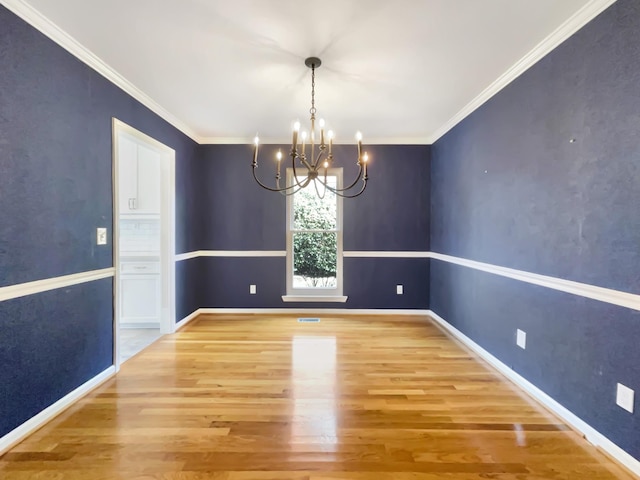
(315, 294)
(315, 298)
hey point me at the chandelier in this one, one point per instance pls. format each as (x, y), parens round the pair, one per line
(307, 164)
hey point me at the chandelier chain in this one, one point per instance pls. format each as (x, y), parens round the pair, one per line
(313, 110)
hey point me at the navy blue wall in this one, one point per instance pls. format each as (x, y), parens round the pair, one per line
(188, 287)
(55, 189)
(236, 214)
(52, 343)
(393, 213)
(511, 188)
(577, 348)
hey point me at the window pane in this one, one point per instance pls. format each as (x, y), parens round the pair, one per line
(313, 213)
(315, 260)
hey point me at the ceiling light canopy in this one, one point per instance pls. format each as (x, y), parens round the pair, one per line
(314, 167)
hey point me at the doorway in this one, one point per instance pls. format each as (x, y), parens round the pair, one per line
(143, 246)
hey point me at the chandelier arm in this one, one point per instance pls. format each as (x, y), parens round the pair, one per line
(315, 184)
(268, 188)
(319, 157)
(358, 178)
(288, 194)
(295, 174)
(303, 160)
(286, 189)
(340, 194)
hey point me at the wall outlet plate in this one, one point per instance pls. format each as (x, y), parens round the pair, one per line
(252, 289)
(399, 289)
(101, 236)
(521, 339)
(625, 397)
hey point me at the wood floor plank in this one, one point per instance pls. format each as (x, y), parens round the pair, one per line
(267, 398)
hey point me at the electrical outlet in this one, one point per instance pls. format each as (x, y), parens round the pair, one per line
(252, 289)
(101, 236)
(625, 397)
(399, 289)
(521, 339)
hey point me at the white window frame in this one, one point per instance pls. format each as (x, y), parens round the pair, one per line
(314, 294)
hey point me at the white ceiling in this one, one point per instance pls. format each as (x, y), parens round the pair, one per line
(399, 70)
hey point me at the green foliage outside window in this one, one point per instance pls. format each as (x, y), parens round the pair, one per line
(315, 253)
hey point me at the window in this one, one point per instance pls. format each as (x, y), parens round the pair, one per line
(314, 242)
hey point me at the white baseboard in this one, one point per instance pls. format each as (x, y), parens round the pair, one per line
(139, 325)
(18, 434)
(293, 311)
(590, 433)
(182, 323)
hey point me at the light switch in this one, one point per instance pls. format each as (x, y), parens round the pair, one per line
(252, 289)
(521, 339)
(101, 236)
(399, 289)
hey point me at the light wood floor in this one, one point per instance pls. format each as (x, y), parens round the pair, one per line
(268, 398)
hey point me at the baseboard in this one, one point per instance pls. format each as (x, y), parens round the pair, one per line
(590, 433)
(139, 326)
(182, 323)
(293, 311)
(34, 423)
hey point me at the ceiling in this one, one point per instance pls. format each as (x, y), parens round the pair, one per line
(401, 71)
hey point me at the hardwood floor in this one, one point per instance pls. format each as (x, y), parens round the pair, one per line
(268, 398)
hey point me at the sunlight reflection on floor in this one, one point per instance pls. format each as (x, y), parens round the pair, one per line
(313, 379)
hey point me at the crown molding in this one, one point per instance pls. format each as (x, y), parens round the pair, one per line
(59, 36)
(559, 35)
(237, 141)
(66, 41)
(287, 141)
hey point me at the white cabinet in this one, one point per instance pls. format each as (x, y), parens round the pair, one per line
(128, 173)
(140, 294)
(139, 178)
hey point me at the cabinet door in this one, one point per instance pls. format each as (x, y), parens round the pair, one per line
(140, 299)
(127, 174)
(149, 179)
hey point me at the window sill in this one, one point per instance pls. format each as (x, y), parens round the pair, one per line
(314, 298)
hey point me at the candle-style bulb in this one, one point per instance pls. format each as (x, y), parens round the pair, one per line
(330, 134)
(294, 141)
(321, 123)
(359, 136)
(365, 158)
(278, 163)
(304, 139)
(326, 164)
(256, 141)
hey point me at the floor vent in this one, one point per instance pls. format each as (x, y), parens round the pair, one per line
(309, 320)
